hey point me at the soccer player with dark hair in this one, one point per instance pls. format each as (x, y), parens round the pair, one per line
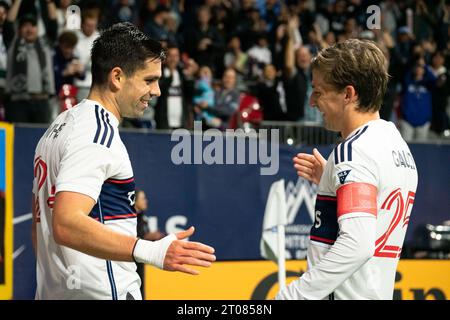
(83, 193)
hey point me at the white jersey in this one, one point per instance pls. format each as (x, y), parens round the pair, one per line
(373, 156)
(82, 152)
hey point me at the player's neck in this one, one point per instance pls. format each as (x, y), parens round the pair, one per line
(107, 101)
(356, 120)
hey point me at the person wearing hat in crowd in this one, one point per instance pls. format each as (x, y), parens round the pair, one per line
(6, 36)
(67, 66)
(30, 78)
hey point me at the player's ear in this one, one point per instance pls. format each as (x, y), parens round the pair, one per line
(117, 78)
(351, 96)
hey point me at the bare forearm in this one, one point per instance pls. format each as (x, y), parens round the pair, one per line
(51, 7)
(289, 55)
(84, 234)
(14, 10)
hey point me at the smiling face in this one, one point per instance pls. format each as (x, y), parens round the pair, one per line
(138, 89)
(328, 101)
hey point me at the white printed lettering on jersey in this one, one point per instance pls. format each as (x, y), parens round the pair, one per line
(403, 159)
(82, 152)
(132, 197)
(318, 222)
(376, 155)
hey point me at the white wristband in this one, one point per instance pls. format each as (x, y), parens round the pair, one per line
(153, 252)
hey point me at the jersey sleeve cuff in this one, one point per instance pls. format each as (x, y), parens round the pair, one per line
(90, 192)
(356, 215)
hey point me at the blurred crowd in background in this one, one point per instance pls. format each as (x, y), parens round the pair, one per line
(228, 62)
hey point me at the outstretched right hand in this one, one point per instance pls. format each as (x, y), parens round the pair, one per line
(310, 166)
(182, 253)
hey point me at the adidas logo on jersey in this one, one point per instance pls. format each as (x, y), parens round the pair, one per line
(343, 175)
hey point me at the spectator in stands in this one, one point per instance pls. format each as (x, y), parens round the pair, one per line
(67, 66)
(204, 43)
(303, 60)
(86, 37)
(271, 95)
(6, 36)
(440, 93)
(207, 23)
(338, 16)
(30, 79)
(42, 10)
(174, 106)
(249, 25)
(204, 98)
(330, 39)
(259, 56)
(61, 12)
(177, 9)
(122, 12)
(277, 43)
(227, 99)
(306, 16)
(155, 26)
(387, 108)
(144, 230)
(401, 54)
(350, 29)
(296, 77)
(442, 29)
(284, 97)
(237, 59)
(416, 103)
(146, 11)
(428, 48)
(270, 11)
(390, 15)
(172, 24)
(423, 18)
(316, 42)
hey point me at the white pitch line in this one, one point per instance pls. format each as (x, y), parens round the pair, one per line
(19, 251)
(22, 218)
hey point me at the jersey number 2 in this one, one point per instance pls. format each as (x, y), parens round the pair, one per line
(383, 247)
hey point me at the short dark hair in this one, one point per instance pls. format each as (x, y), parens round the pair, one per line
(359, 63)
(68, 38)
(4, 4)
(122, 45)
(27, 18)
(171, 45)
(160, 9)
(89, 14)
